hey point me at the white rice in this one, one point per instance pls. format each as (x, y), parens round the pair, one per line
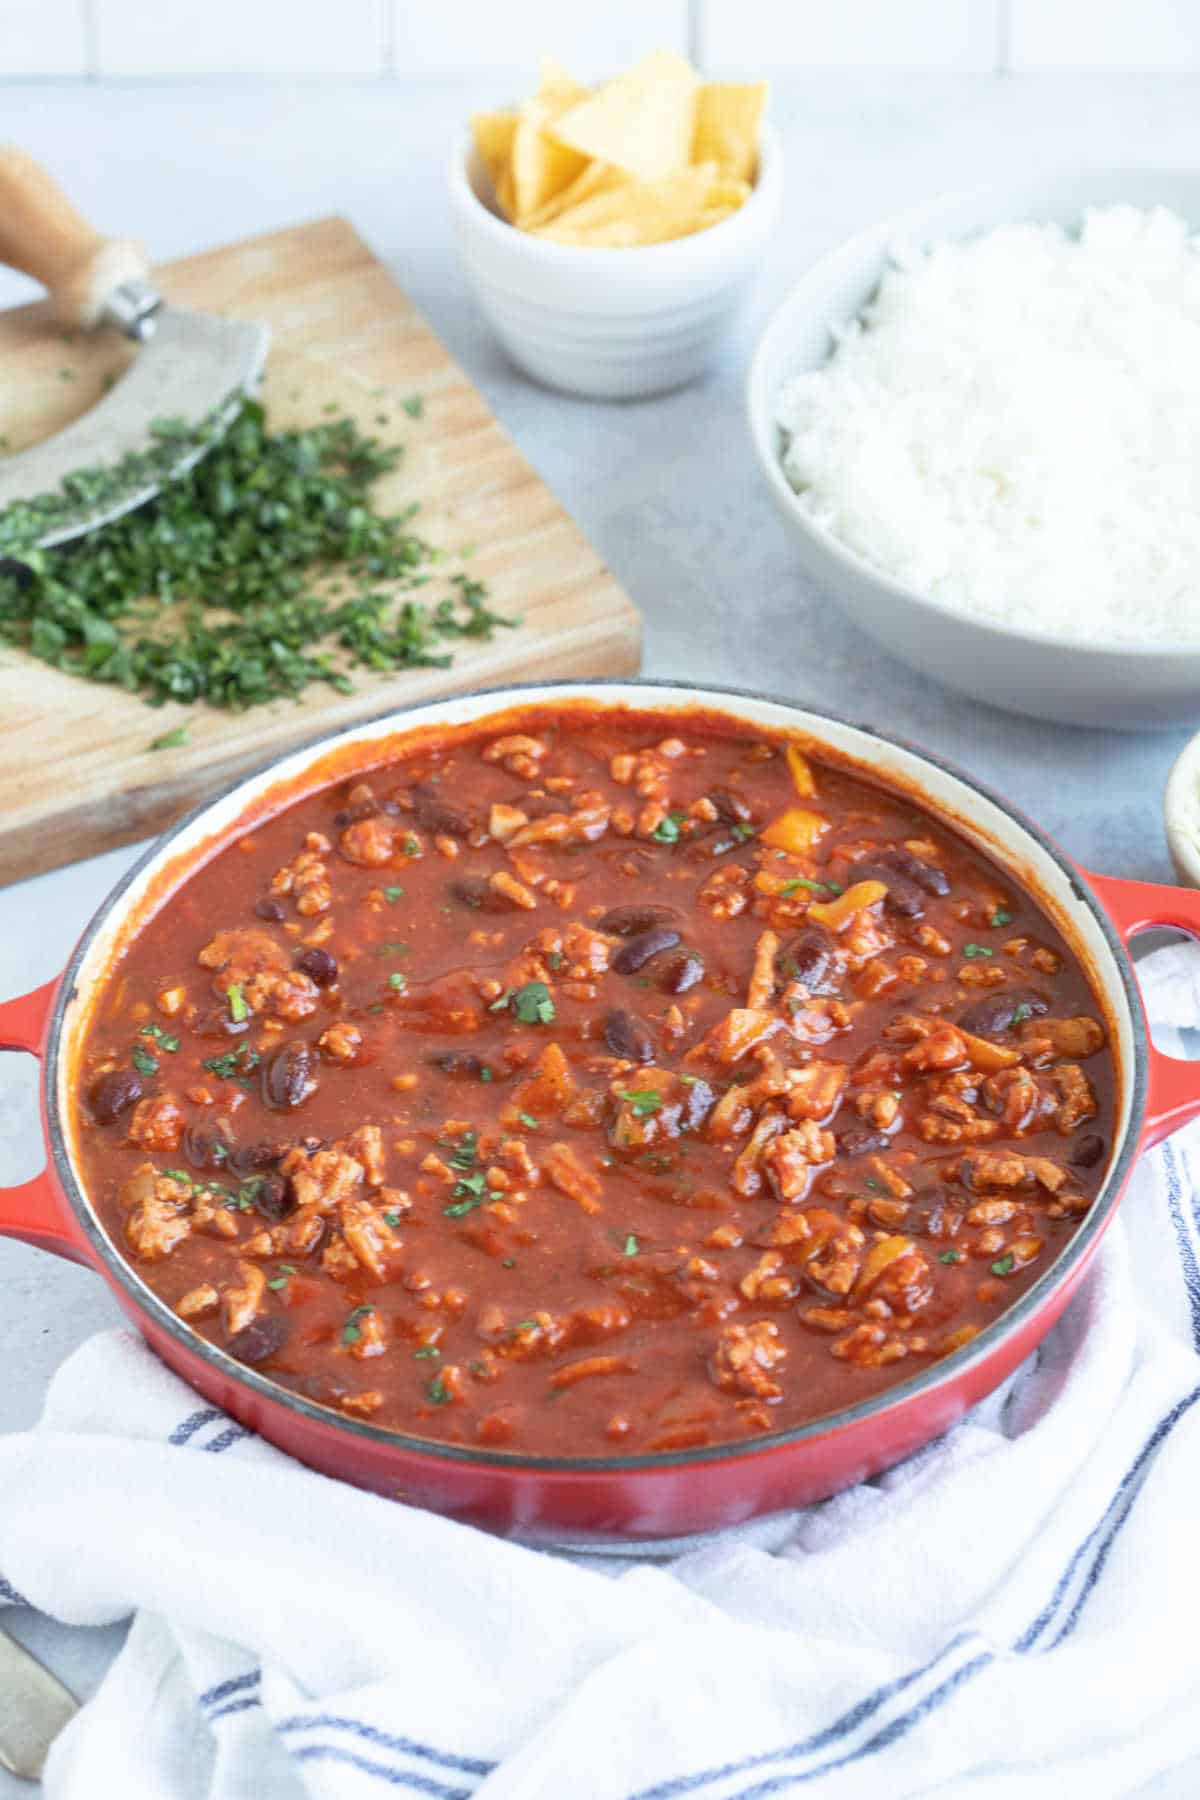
(1013, 428)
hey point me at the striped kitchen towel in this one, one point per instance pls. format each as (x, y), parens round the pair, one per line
(1010, 1615)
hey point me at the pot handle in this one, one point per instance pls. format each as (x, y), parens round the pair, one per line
(32, 1211)
(1174, 1082)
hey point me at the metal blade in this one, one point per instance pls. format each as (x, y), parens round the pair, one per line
(193, 367)
(34, 1707)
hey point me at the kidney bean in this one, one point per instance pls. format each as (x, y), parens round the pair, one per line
(933, 880)
(270, 909)
(275, 1198)
(678, 973)
(250, 1159)
(203, 1147)
(287, 1077)
(480, 896)
(460, 1063)
(996, 1013)
(627, 1035)
(937, 1211)
(807, 957)
(113, 1094)
(636, 951)
(260, 1340)
(631, 921)
(860, 1142)
(904, 897)
(732, 807)
(351, 815)
(320, 967)
(436, 814)
(1087, 1152)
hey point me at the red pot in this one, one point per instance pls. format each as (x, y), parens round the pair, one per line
(627, 1496)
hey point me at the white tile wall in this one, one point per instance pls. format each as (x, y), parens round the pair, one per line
(149, 39)
(43, 37)
(746, 37)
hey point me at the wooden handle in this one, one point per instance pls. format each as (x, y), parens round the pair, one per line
(42, 235)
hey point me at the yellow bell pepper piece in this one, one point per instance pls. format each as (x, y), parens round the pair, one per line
(797, 830)
(882, 1252)
(803, 779)
(835, 915)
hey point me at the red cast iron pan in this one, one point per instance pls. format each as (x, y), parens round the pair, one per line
(641, 1497)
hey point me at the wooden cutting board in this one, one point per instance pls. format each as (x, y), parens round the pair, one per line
(77, 774)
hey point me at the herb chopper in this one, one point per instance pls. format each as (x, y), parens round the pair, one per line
(191, 371)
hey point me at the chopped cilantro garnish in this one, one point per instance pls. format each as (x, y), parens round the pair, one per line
(528, 1119)
(642, 1101)
(802, 881)
(524, 1325)
(351, 1331)
(949, 1256)
(1004, 1266)
(1001, 916)
(631, 1245)
(397, 981)
(743, 831)
(510, 1262)
(485, 1074)
(465, 1151)
(469, 1192)
(247, 1194)
(239, 1012)
(1023, 1012)
(163, 1039)
(411, 845)
(391, 1219)
(972, 950)
(143, 1062)
(555, 960)
(667, 830)
(427, 1350)
(438, 1392)
(393, 893)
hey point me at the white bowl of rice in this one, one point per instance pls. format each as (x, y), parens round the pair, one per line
(981, 420)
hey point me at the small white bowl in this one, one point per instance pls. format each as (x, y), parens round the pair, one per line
(1181, 813)
(1132, 687)
(611, 324)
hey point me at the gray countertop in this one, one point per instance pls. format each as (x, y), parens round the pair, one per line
(666, 489)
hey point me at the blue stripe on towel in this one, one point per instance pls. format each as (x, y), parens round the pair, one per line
(9, 1592)
(1187, 1249)
(232, 1435)
(421, 1784)
(235, 1706)
(236, 1684)
(382, 1740)
(195, 1422)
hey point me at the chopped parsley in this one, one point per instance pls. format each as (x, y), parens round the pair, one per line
(411, 845)
(555, 960)
(1023, 1012)
(164, 1039)
(1005, 1264)
(234, 1065)
(391, 1220)
(393, 893)
(465, 1151)
(510, 1262)
(438, 1392)
(239, 1012)
(351, 1330)
(485, 1074)
(631, 1245)
(171, 740)
(1001, 916)
(143, 1062)
(528, 1120)
(210, 591)
(742, 832)
(281, 1280)
(972, 950)
(667, 830)
(802, 881)
(427, 1350)
(949, 1256)
(531, 1004)
(397, 981)
(469, 1192)
(643, 1102)
(524, 1325)
(248, 1193)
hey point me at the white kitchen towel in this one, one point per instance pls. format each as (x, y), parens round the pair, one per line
(1009, 1614)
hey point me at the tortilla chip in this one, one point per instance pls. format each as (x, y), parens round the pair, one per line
(558, 90)
(728, 118)
(541, 167)
(597, 178)
(493, 134)
(638, 213)
(642, 121)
